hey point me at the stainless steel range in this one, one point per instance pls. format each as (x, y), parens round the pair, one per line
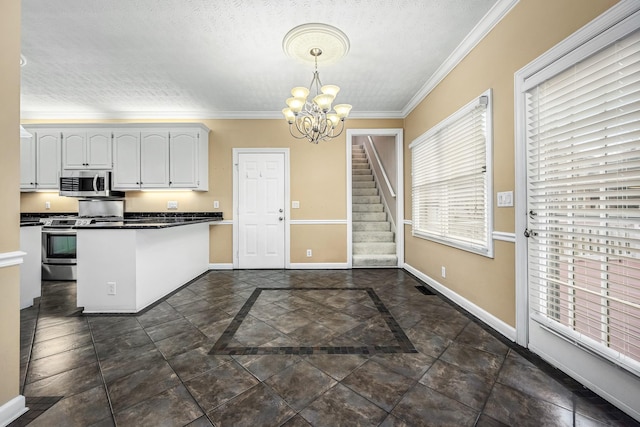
(59, 251)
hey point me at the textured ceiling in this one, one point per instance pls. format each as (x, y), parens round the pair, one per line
(224, 58)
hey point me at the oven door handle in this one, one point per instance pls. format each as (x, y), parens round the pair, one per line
(59, 231)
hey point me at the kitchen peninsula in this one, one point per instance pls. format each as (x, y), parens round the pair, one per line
(126, 266)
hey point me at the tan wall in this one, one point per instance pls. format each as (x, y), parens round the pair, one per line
(9, 195)
(318, 182)
(531, 28)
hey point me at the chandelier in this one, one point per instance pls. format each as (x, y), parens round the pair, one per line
(314, 119)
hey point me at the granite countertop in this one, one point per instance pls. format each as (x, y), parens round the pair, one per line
(148, 223)
(138, 220)
(30, 223)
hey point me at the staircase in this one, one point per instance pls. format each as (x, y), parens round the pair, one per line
(373, 241)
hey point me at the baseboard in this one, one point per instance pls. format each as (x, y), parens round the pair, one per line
(11, 410)
(500, 326)
(318, 266)
(221, 266)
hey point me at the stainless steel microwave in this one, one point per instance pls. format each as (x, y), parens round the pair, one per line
(87, 184)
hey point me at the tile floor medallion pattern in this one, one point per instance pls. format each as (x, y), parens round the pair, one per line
(288, 348)
(345, 342)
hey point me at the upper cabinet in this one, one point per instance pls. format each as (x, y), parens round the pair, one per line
(144, 156)
(40, 160)
(161, 158)
(86, 149)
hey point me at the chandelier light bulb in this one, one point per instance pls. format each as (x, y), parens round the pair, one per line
(300, 92)
(296, 104)
(288, 114)
(330, 90)
(334, 119)
(323, 101)
(342, 110)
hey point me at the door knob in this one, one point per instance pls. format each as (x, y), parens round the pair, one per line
(280, 210)
(280, 218)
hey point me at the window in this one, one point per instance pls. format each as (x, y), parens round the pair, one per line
(451, 179)
(583, 156)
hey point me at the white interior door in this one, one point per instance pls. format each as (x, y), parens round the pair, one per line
(261, 210)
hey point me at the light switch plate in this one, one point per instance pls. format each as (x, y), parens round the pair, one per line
(505, 199)
(216, 204)
(295, 204)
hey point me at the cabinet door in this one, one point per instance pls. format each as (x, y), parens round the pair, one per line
(99, 150)
(126, 160)
(183, 159)
(154, 159)
(27, 163)
(74, 154)
(48, 160)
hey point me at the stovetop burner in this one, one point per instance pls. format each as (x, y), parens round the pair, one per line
(74, 221)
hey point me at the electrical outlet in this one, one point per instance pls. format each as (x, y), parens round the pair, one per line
(47, 205)
(309, 253)
(172, 204)
(216, 204)
(295, 205)
(443, 271)
(111, 288)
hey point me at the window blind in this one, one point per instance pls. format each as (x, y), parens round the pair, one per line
(450, 195)
(583, 148)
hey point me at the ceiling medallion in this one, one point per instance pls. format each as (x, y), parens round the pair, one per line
(314, 119)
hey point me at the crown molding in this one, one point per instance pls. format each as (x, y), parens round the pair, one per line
(488, 22)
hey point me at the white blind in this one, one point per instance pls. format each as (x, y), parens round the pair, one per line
(449, 180)
(583, 142)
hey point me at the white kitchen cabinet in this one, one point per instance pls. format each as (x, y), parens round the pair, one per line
(154, 159)
(28, 163)
(40, 160)
(174, 158)
(185, 153)
(126, 160)
(142, 156)
(86, 149)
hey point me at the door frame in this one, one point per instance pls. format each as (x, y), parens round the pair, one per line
(399, 144)
(236, 156)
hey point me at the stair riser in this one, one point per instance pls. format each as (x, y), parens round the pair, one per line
(374, 248)
(371, 226)
(372, 236)
(367, 208)
(369, 216)
(361, 172)
(363, 178)
(365, 192)
(365, 199)
(363, 184)
(375, 261)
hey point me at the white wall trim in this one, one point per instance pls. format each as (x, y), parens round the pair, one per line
(7, 259)
(486, 24)
(408, 222)
(11, 410)
(223, 222)
(504, 236)
(221, 266)
(319, 266)
(507, 330)
(317, 221)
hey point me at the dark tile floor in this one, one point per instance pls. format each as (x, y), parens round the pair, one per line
(288, 348)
